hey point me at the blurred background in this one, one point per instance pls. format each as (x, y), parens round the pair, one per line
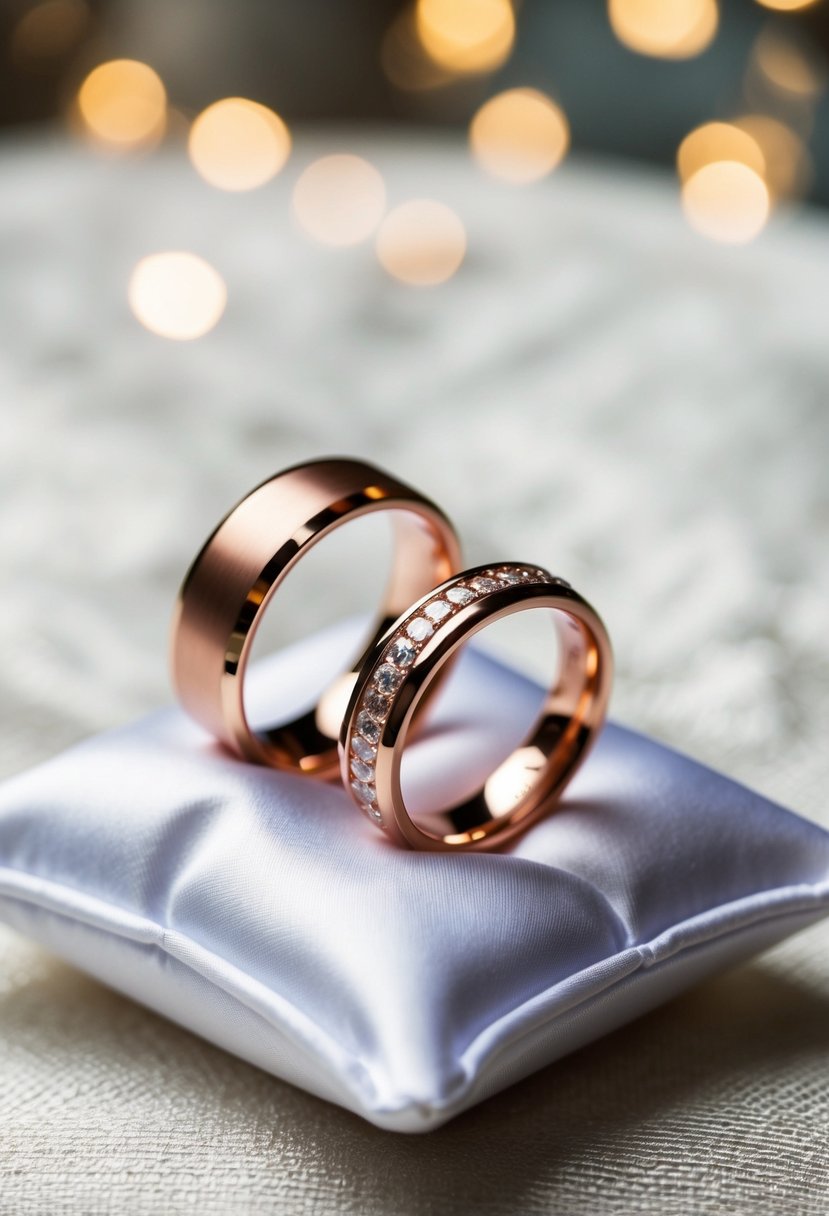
(689, 83)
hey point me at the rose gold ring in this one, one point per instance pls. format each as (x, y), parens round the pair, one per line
(407, 661)
(240, 568)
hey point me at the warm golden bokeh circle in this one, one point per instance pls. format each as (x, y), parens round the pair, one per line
(123, 104)
(177, 295)
(421, 242)
(666, 29)
(49, 29)
(788, 67)
(340, 199)
(466, 35)
(788, 166)
(237, 144)
(786, 6)
(726, 201)
(519, 135)
(715, 141)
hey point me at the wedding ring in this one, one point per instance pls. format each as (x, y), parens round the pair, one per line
(408, 660)
(241, 567)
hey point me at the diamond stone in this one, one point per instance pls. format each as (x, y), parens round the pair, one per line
(368, 727)
(388, 678)
(459, 595)
(362, 792)
(420, 629)
(375, 814)
(362, 748)
(377, 705)
(363, 772)
(486, 584)
(401, 652)
(437, 611)
(509, 576)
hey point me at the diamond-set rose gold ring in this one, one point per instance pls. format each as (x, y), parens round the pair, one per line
(241, 567)
(403, 668)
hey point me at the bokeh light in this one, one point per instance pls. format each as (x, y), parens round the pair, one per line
(466, 35)
(789, 67)
(48, 30)
(177, 295)
(666, 29)
(716, 141)
(786, 6)
(763, 144)
(520, 135)
(236, 144)
(123, 104)
(788, 166)
(726, 201)
(421, 243)
(340, 199)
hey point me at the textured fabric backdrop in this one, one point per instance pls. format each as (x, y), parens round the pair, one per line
(599, 391)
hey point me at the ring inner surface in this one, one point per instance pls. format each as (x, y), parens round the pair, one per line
(522, 784)
(418, 559)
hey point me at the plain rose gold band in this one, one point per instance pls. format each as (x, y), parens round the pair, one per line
(240, 568)
(402, 671)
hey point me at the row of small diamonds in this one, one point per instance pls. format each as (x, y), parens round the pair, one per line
(400, 653)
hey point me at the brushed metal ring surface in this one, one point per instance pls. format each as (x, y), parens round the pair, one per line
(240, 568)
(412, 656)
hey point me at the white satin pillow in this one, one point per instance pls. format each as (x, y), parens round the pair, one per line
(264, 913)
